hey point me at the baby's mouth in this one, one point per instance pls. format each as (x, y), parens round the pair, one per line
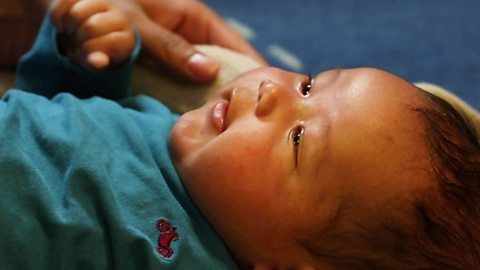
(219, 115)
(220, 110)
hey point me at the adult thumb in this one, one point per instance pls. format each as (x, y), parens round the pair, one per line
(176, 54)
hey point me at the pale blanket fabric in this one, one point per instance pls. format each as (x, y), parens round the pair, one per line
(182, 96)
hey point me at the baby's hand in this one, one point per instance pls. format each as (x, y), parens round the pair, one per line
(93, 33)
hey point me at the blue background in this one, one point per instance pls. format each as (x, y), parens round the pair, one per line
(437, 41)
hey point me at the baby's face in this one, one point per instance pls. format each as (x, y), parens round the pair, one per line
(274, 156)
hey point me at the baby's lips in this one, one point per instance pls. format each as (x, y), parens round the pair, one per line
(219, 115)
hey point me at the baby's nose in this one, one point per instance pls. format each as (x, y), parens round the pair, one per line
(270, 94)
(265, 87)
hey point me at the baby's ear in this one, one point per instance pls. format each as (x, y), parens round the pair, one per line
(472, 115)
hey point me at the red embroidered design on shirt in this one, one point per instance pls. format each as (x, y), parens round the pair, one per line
(168, 233)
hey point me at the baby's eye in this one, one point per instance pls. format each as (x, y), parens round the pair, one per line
(306, 86)
(296, 137)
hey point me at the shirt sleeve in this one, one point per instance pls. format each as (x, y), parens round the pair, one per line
(45, 71)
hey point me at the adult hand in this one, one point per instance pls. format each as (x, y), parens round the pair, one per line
(170, 27)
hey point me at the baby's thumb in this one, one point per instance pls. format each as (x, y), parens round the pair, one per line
(98, 60)
(178, 55)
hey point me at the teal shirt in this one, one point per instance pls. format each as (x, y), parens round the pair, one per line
(89, 183)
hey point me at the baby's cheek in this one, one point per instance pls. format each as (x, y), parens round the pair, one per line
(253, 152)
(257, 152)
(238, 160)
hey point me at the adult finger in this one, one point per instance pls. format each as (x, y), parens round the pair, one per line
(175, 53)
(223, 35)
(201, 24)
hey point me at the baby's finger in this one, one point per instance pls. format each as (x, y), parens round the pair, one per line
(81, 12)
(59, 9)
(116, 45)
(98, 60)
(101, 24)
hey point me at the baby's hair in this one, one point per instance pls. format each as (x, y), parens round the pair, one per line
(450, 216)
(446, 230)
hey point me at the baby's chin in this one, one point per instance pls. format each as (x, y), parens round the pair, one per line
(191, 132)
(182, 137)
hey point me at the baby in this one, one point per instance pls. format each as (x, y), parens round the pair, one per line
(350, 169)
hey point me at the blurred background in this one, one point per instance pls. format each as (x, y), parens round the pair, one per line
(435, 41)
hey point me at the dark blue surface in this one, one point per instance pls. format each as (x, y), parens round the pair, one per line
(436, 41)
